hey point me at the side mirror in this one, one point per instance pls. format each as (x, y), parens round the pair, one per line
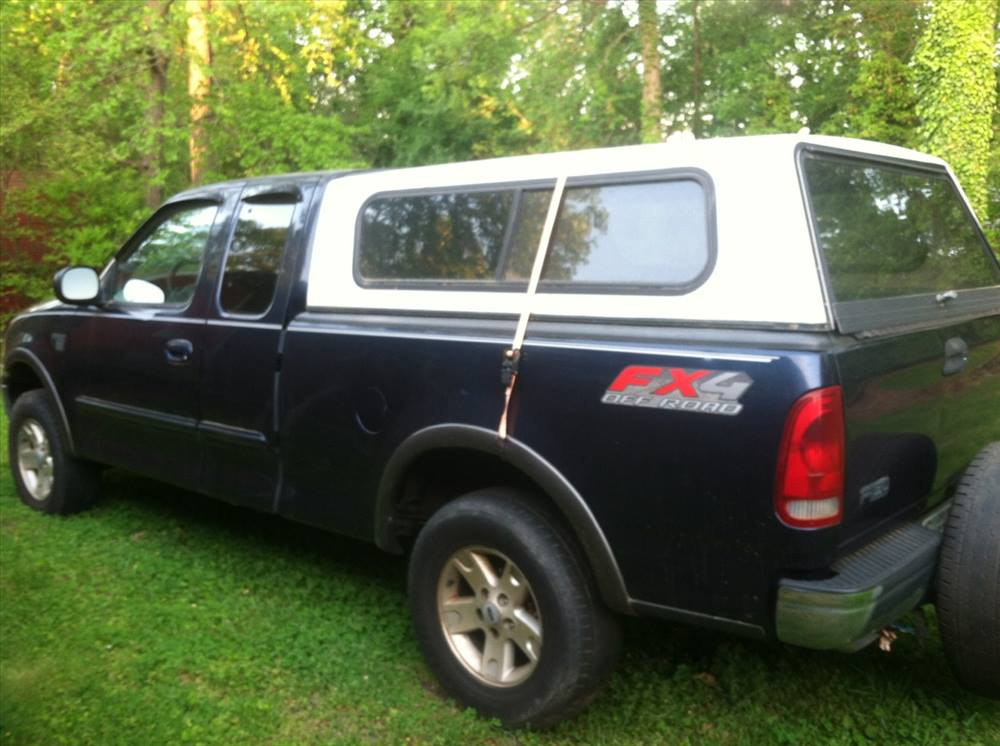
(77, 285)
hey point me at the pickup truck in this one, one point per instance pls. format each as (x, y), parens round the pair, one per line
(749, 384)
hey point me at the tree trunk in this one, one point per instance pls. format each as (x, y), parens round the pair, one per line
(156, 88)
(199, 53)
(696, 125)
(651, 112)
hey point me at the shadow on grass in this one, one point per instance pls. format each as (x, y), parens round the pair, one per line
(262, 532)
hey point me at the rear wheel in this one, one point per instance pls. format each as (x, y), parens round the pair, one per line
(968, 578)
(47, 476)
(506, 612)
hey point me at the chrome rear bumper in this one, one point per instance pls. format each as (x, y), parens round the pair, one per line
(872, 587)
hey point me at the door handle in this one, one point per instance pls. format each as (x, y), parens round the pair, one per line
(178, 351)
(956, 355)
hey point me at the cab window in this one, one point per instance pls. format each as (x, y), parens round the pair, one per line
(164, 266)
(250, 275)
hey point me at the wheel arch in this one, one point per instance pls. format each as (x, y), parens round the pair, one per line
(22, 371)
(515, 460)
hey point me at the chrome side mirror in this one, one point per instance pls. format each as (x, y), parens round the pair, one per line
(77, 285)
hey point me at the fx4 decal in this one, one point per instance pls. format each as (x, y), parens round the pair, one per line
(706, 391)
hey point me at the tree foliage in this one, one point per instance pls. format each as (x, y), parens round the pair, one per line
(433, 87)
(99, 122)
(957, 89)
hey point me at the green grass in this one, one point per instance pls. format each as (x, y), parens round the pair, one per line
(162, 617)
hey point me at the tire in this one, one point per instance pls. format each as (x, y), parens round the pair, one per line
(535, 605)
(48, 478)
(968, 577)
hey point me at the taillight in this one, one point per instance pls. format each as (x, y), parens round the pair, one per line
(809, 486)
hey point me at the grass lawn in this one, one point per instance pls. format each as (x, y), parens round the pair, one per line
(162, 617)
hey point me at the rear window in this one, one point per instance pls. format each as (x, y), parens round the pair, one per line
(893, 231)
(650, 234)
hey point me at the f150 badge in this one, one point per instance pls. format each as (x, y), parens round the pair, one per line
(706, 391)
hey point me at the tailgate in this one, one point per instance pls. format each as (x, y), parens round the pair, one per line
(910, 428)
(915, 291)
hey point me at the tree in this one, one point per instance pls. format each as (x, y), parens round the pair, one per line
(286, 92)
(199, 54)
(991, 221)
(109, 106)
(158, 61)
(78, 127)
(957, 89)
(575, 75)
(652, 90)
(436, 87)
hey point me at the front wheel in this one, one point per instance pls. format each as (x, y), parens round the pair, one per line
(506, 612)
(47, 476)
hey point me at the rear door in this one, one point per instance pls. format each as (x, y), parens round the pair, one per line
(915, 290)
(243, 337)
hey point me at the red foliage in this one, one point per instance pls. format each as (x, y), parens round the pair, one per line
(22, 239)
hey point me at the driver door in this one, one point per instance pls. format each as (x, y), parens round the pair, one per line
(138, 406)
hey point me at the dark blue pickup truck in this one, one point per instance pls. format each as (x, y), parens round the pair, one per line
(752, 385)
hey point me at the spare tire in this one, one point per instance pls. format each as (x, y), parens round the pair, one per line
(968, 576)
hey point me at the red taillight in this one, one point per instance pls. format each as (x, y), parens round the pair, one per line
(809, 488)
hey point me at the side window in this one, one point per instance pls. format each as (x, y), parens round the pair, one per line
(451, 236)
(649, 233)
(250, 275)
(163, 268)
(652, 234)
(531, 213)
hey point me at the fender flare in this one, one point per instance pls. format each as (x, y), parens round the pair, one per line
(23, 356)
(568, 501)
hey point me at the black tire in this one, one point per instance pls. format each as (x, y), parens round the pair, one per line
(968, 577)
(579, 640)
(73, 485)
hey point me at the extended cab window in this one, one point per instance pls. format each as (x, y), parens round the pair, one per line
(163, 268)
(648, 233)
(250, 275)
(893, 231)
